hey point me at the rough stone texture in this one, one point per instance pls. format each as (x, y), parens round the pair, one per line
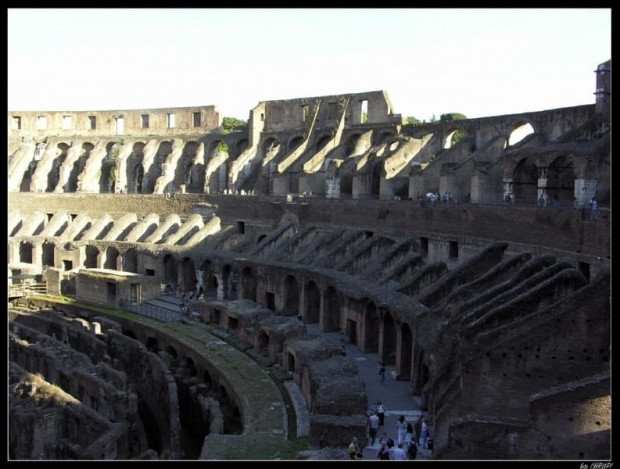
(278, 330)
(325, 454)
(337, 431)
(496, 309)
(334, 387)
(112, 286)
(36, 430)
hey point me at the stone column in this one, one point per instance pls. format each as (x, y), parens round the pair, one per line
(360, 188)
(220, 287)
(416, 182)
(332, 188)
(281, 183)
(479, 183)
(508, 187)
(13, 253)
(37, 253)
(585, 189)
(543, 174)
(447, 180)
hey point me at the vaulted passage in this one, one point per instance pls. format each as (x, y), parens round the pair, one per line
(111, 258)
(91, 257)
(248, 284)
(331, 311)
(170, 269)
(130, 261)
(313, 303)
(406, 348)
(525, 177)
(388, 351)
(291, 296)
(371, 328)
(187, 275)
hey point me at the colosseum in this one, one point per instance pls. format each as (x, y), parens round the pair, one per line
(172, 281)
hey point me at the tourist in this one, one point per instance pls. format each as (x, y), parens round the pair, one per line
(355, 451)
(381, 412)
(408, 435)
(424, 433)
(399, 453)
(412, 451)
(401, 429)
(373, 426)
(594, 211)
(384, 438)
(384, 451)
(382, 373)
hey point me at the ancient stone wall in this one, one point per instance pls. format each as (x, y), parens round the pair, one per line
(105, 123)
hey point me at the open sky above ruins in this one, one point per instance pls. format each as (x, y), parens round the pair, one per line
(479, 62)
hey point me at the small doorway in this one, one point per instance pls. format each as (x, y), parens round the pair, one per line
(352, 331)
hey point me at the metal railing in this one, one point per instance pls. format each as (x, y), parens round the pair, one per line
(151, 311)
(27, 289)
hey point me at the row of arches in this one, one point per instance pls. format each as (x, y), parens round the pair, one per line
(314, 300)
(140, 172)
(110, 258)
(372, 329)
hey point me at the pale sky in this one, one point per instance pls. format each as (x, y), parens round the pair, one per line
(479, 62)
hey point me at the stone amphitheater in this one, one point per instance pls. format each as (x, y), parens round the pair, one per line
(492, 301)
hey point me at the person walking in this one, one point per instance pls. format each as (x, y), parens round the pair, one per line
(381, 413)
(373, 426)
(382, 373)
(408, 436)
(424, 433)
(401, 429)
(417, 427)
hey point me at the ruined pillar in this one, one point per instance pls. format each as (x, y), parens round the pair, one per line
(332, 187)
(585, 189)
(64, 172)
(447, 180)
(305, 183)
(361, 186)
(508, 187)
(386, 188)
(416, 182)
(121, 183)
(479, 191)
(13, 252)
(37, 253)
(543, 174)
(221, 289)
(281, 183)
(199, 278)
